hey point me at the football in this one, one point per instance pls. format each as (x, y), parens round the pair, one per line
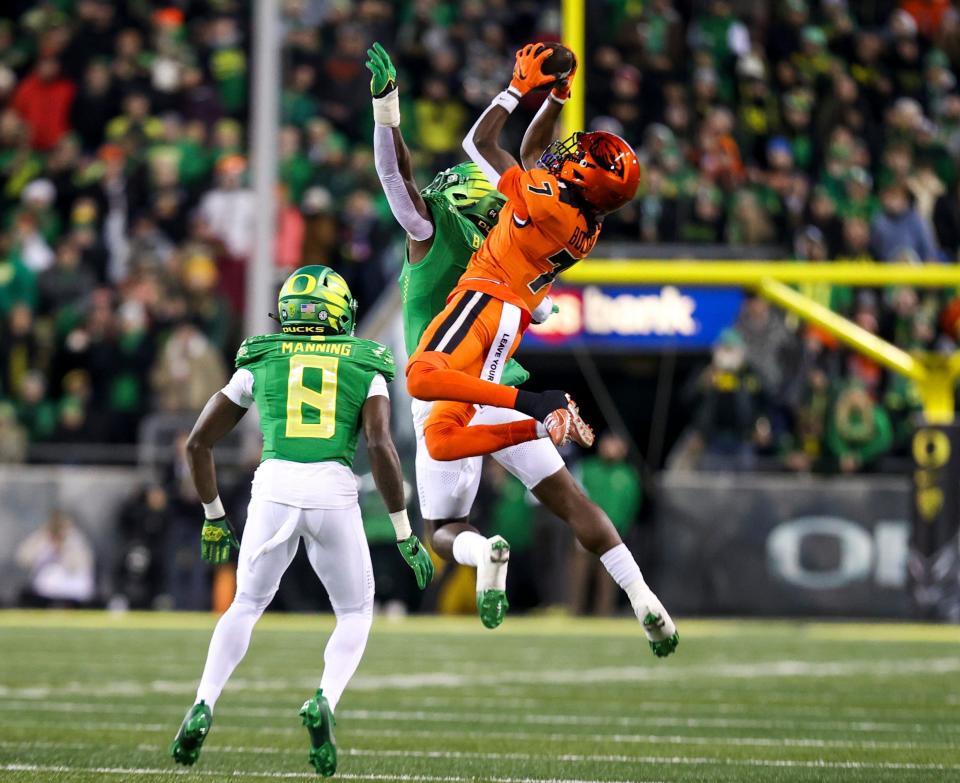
(559, 63)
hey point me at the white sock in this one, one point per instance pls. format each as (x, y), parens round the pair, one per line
(622, 566)
(228, 645)
(468, 548)
(343, 653)
(620, 563)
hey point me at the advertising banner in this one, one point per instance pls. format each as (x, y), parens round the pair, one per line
(652, 317)
(766, 545)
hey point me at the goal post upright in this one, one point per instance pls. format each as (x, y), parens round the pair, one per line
(573, 116)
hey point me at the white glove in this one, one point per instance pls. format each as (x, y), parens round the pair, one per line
(544, 310)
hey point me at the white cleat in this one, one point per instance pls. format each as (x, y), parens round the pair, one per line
(657, 625)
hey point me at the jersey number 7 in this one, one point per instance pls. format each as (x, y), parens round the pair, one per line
(300, 395)
(562, 260)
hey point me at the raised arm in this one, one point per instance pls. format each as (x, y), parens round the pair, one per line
(218, 417)
(385, 466)
(482, 142)
(391, 156)
(539, 133)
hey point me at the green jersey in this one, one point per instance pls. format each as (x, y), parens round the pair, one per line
(425, 286)
(309, 392)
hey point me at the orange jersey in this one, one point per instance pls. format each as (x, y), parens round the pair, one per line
(538, 235)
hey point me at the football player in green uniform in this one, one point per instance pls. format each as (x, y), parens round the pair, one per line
(316, 386)
(446, 223)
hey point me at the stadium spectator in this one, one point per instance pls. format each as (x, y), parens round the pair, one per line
(946, 221)
(898, 228)
(43, 100)
(859, 431)
(725, 413)
(228, 209)
(187, 372)
(13, 437)
(615, 485)
(60, 565)
(140, 571)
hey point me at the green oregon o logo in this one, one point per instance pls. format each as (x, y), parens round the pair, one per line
(294, 284)
(931, 448)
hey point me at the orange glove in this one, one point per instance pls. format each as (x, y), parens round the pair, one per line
(562, 91)
(527, 75)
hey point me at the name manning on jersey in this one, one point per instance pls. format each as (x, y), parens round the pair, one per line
(341, 349)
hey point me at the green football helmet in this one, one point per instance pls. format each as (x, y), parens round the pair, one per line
(316, 300)
(467, 188)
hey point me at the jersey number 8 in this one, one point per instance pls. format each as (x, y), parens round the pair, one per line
(324, 401)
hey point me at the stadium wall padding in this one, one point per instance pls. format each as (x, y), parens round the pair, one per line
(752, 544)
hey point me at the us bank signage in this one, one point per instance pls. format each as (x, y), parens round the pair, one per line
(616, 317)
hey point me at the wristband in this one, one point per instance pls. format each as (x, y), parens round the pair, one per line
(386, 110)
(556, 99)
(508, 99)
(214, 509)
(401, 524)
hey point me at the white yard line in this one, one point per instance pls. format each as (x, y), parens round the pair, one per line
(495, 717)
(608, 674)
(633, 739)
(653, 760)
(142, 771)
(619, 739)
(476, 720)
(943, 713)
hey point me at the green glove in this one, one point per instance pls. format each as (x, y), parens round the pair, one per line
(216, 538)
(384, 74)
(514, 374)
(418, 559)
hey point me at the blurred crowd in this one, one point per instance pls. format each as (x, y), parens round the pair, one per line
(825, 127)
(834, 128)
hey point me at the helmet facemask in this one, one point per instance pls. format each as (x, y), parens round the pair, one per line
(601, 166)
(560, 151)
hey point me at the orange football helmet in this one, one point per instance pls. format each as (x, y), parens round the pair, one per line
(601, 165)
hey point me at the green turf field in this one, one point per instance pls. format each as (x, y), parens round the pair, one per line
(93, 697)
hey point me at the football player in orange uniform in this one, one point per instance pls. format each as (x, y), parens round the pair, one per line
(551, 219)
(554, 212)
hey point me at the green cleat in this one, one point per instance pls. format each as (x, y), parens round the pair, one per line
(319, 720)
(492, 604)
(657, 624)
(662, 647)
(193, 731)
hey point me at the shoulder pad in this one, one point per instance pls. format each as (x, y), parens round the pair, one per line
(254, 347)
(376, 357)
